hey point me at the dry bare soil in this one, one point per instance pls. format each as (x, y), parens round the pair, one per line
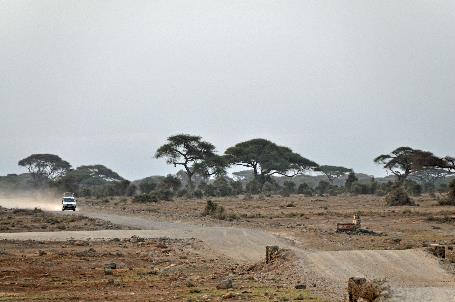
(138, 269)
(26, 220)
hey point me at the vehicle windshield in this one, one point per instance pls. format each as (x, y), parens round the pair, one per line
(69, 200)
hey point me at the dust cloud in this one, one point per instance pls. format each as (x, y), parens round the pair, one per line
(30, 200)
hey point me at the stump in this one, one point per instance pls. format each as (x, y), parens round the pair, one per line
(270, 252)
(355, 287)
(438, 250)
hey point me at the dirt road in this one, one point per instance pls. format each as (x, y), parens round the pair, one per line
(414, 275)
(237, 243)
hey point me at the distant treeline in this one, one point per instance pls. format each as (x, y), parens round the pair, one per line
(270, 169)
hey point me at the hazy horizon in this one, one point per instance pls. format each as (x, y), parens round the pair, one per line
(339, 82)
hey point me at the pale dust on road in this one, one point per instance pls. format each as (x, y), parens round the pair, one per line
(45, 203)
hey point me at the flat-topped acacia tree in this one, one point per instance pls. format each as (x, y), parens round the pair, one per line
(193, 154)
(333, 172)
(266, 158)
(404, 161)
(45, 167)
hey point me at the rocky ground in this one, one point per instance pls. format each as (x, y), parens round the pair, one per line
(139, 269)
(26, 220)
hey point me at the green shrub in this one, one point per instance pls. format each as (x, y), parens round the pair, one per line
(450, 200)
(222, 187)
(198, 194)
(182, 192)
(267, 188)
(359, 188)
(213, 210)
(210, 190)
(290, 186)
(398, 197)
(237, 187)
(163, 194)
(413, 188)
(145, 198)
(253, 187)
(285, 192)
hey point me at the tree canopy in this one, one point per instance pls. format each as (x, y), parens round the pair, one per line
(404, 161)
(45, 167)
(193, 154)
(267, 158)
(95, 175)
(97, 179)
(333, 172)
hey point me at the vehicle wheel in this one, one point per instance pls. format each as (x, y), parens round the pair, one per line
(74, 210)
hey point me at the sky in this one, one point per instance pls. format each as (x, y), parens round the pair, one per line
(340, 82)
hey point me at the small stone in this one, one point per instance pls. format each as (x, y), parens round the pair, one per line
(107, 271)
(41, 253)
(112, 265)
(229, 295)
(225, 284)
(300, 286)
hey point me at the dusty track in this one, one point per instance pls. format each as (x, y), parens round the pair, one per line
(237, 243)
(415, 275)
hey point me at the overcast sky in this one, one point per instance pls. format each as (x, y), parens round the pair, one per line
(339, 82)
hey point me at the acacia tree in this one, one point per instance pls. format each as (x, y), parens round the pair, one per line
(93, 179)
(267, 159)
(45, 167)
(193, 154)
(405, 161)
(333, 172)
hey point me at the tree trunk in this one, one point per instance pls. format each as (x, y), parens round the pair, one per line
(190, 183)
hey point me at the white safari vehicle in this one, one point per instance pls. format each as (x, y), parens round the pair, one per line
(68, 202)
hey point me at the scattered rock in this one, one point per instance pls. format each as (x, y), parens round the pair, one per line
(229, 295)
(42, 253)
(224, 284)
(135, 239)
(300, 286)
(107, 271)
(87, 253)
(112, 265)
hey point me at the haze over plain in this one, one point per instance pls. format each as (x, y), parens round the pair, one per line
(339, 82)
